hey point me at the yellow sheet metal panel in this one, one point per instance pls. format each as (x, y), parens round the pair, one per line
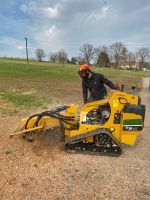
(129, 138)
(72, 110)
(50, 122)
(132, 125)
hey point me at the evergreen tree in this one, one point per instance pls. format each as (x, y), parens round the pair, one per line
(103, 60)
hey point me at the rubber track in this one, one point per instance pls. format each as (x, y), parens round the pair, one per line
(82, 147)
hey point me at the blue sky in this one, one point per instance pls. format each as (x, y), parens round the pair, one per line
(57, 24)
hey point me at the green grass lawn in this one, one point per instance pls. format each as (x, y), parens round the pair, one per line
(48, 83)
(18, 68)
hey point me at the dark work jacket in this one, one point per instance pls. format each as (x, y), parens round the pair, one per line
(95, 85)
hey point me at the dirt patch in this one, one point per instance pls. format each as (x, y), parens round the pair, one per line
(43, 171)
(50, 141)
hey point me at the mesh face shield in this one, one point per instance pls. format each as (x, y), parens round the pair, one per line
(84, 74)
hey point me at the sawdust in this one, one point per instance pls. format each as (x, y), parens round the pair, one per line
(42, 170)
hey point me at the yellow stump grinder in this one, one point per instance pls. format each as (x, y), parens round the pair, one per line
(100, 127)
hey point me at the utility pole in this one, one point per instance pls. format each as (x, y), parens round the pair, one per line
(26, 40)
(149, 84)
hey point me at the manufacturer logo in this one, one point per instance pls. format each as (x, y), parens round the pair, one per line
(132, 128)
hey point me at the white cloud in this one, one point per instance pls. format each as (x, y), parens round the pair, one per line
(30, 8)
(24, 8)
(52, 12)
(98, 15)
(14, 43)
(13, 47)
(50, 38)
(33, 9)
(10, 41)
(105, 9)
(21, 47)
(51, 31)
(55, 24)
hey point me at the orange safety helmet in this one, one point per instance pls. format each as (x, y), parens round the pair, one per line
(84, 71)
(85, 67)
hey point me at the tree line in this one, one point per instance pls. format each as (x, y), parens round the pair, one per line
(104, 56)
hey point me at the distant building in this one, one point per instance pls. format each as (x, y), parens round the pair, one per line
(129, 64)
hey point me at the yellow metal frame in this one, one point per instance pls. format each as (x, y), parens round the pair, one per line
(116, 100)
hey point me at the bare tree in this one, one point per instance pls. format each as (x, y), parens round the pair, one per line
(142, 54)
(103, 48)
(53, 57)
(87, 52)
(118, 52)
(40, 54)
(62, 56)
(131, 58)
(80, 60)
